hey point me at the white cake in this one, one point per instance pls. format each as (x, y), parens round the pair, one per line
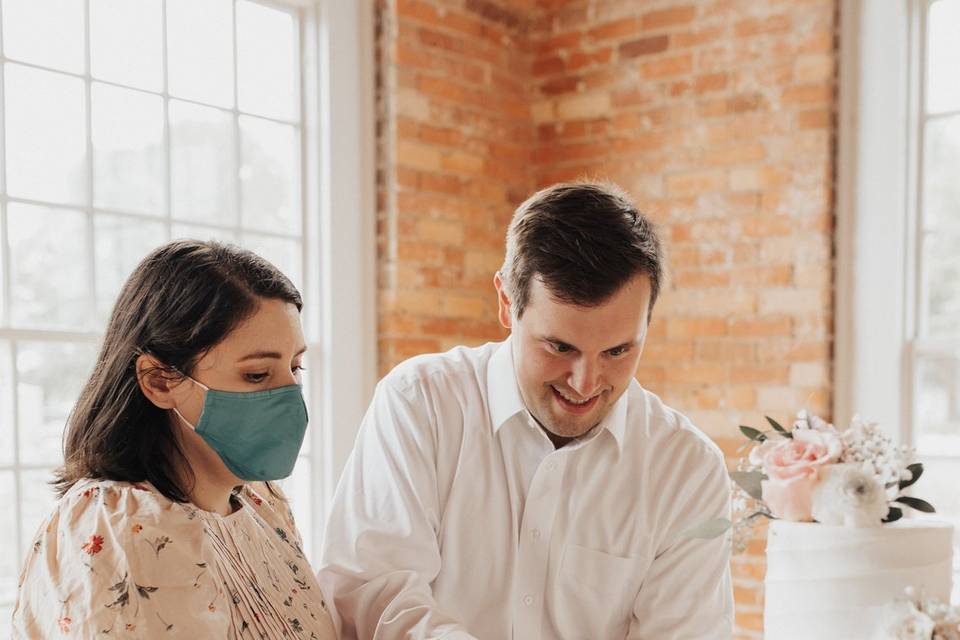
(830, 582)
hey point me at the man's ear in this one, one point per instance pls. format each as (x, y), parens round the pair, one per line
(503, 301)
(156, 381)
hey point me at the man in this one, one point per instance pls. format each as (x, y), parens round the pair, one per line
(532, 488)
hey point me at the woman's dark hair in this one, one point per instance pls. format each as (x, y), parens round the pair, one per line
(181, 301)
(584, 241)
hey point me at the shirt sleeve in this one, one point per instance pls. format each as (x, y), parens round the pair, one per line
(380, 552)
(118, 560)
(688, 593)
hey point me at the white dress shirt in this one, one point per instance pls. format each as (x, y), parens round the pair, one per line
(457, 518)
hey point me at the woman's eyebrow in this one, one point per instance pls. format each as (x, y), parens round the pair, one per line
(258, 355)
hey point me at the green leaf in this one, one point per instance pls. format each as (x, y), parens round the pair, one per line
(778, 427)
(916, 503)
(709, 529)
(893, 515)
(749, 481)
(916, 469)
(753, 434)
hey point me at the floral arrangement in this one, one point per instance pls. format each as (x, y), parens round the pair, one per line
(814, 472)
(915, 617)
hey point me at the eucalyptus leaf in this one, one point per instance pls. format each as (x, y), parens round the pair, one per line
(709, 529)
(753, 434)
(778, 427)
(893, 515)
(749, 481)
(916, 470)
(916, 503)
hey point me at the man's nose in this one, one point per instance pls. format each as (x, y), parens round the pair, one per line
(585, 377)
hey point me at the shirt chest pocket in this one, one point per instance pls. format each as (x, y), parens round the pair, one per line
(596, 591)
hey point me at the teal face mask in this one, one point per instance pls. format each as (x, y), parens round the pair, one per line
(257, 434)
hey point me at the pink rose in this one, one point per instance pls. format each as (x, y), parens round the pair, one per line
(791, 466)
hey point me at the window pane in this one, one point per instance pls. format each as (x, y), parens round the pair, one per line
(9, 569)
(941, 269)
(941, 169)
(203, 168)
(196, 232)
(937, 404)
(125, 42)
(50, 378)
(45, 135)
(121, 243)
(36, 503)
(49, 267)
(128, 161)
(283, 253)
(200, 50)
(269, 176)
(6, 404)
(266, 69)
(943, 90)
(45, 32)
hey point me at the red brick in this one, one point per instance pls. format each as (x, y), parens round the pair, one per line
(644, 46)
(762, 26)
(664, 67)
(615, 29)
(668, 17)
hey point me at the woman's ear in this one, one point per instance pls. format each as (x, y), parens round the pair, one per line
(156, 382)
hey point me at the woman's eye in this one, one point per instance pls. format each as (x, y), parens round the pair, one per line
(255, 377)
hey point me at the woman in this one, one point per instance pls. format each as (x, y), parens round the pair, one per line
(165, 526)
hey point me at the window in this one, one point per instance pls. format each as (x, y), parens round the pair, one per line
(125, 123)
(934, 342)
(898, 229)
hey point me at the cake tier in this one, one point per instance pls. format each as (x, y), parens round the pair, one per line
(829, 582)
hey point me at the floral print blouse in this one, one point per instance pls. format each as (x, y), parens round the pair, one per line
(119, 560)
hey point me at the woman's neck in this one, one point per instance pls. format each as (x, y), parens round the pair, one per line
(212, 483)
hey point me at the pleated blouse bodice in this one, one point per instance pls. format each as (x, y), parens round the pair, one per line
(118, 559)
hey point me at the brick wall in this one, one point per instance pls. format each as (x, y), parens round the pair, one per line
(718, 116)
(455, 140)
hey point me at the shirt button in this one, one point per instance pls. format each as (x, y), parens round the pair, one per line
(528, 600)
(536, 534)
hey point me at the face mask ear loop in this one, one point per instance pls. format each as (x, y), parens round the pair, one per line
(176, 411)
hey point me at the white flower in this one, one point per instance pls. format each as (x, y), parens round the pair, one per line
(866, 445)
(901, 620)
(848, 495)
(806, 420)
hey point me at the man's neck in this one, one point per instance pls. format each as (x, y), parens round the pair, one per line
(559, 442)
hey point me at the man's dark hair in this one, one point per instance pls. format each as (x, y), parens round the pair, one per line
(584, 241)
(181, 301)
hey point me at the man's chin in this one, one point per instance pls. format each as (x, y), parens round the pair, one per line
(568, 430)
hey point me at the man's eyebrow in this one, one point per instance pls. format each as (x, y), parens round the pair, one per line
(625, 345)
(259, 355)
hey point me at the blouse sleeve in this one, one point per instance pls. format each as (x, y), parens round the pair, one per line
(120, 560)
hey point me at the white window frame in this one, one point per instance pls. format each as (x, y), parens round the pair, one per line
(882, 51)
(340, 198)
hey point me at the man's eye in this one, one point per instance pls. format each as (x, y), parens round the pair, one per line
(617, 351)
(559, 347)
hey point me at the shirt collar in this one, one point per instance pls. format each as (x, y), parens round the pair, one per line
(505, 400)
(503, 394)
